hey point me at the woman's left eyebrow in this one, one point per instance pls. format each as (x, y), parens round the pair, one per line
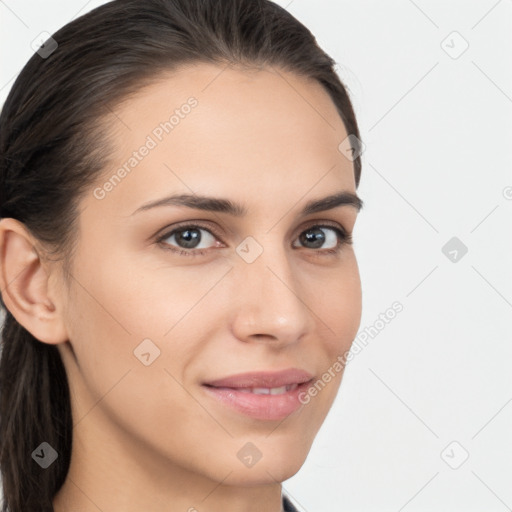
(221, 205)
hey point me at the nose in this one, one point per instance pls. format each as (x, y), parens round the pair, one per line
(271, 303)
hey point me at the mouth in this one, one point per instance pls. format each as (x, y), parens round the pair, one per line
(263, 396)
(262, 391)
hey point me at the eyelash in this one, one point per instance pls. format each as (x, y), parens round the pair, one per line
(343, 237)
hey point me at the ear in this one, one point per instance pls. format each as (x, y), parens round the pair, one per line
(24, 283)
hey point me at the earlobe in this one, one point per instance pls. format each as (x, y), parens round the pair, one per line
(24, 283)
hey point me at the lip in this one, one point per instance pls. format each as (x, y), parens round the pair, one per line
(267, 379)
(260, 406)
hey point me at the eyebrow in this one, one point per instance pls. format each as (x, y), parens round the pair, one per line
(215, 204)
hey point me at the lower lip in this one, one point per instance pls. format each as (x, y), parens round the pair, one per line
(262, 407)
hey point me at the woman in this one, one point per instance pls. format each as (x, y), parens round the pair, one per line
(178, 195)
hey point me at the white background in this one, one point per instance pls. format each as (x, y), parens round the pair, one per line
(437, 164)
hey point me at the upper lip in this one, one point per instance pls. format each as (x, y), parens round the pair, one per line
(263, 379)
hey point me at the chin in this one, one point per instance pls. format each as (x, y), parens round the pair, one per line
(262, 475)
(276, 467)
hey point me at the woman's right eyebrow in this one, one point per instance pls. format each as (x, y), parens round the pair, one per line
(221, 205)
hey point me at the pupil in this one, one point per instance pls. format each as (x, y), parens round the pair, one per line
(316, 236)
(190, 237)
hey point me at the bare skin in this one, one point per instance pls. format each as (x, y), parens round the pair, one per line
(149, 437)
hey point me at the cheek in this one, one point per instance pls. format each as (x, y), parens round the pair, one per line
(336, 301)
(110, 318)
(133, 312)
(151, 297)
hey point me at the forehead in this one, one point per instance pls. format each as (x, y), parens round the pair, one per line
(220, 130)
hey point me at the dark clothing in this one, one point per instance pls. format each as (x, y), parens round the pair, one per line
(287, 505)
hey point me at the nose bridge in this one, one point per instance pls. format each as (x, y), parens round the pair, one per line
(269, 301)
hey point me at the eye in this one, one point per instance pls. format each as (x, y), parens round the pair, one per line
(314, 237)
(186, 239)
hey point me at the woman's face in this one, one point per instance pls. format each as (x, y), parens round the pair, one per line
(255, 291)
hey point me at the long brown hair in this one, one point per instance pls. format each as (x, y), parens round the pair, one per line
(52, 149)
